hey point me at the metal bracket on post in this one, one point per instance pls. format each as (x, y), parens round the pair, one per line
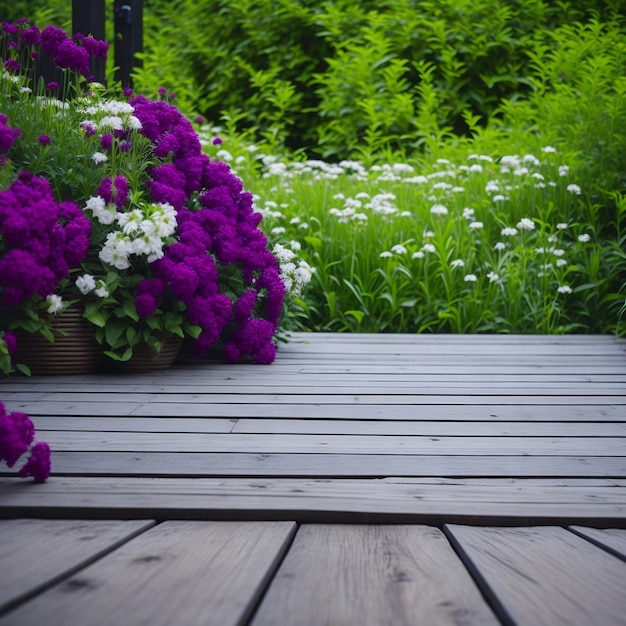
(128, 26)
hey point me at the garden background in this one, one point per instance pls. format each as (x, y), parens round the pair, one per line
(447, 166)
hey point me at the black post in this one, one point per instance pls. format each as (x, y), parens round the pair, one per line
(128, 21)
(88, 18)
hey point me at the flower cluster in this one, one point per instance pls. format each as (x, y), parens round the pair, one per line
(41, 242)
(142, 228)
(17, 435)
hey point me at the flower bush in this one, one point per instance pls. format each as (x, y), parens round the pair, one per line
(17, 435)
(111, 203)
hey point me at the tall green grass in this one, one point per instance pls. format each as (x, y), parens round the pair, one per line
(481, 243)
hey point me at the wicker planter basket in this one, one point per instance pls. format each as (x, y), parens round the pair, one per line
(76, 351)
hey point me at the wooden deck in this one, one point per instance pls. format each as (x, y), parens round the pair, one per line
(360, 479)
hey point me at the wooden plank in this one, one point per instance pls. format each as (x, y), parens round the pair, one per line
(335, 444)
(35, 554)
(187, 382)
(25, 399)
(425, 428)
(372, 575)
(336, 339)
(166, 464)
(155, 424)
(192, 379)
(330, 500)
(391, 388)
(330, 427)
(611, 539)
(532, 413)
(183, 573)
(543, 576)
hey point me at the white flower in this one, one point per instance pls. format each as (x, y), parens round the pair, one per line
(500, 246)
(101, 291)
(526, 224)
(105, 214)
(130, 221)
(386, 254)
(558, 252)
(439, 209)
(282, 254)
(85, 283)
(470, 278)
(561, 262)
(499, 198)
(574, 189)
(428, 247)
(55, 303)
(468, 213)
(134, 123)
(398, 249)
(584, 237)
(475, 225)
(564, 289)
(111, 121)
(99, 157)
(457, 263)
(548, 149)
(278, 230)
(224, 155)
(418, 255)
(563, 170)
(295, 245)
(561, 226)
(508, 232)
(116, 251)
(493, 277)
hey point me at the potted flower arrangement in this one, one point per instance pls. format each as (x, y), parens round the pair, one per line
(109, 204)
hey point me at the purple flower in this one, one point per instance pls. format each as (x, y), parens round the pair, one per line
(30, 36)
(199, 119)
(52, 85)
(96, 47)
(16, 434)
(51, 38)
(146, 304)
(12, 65)
(38, 464)
(11, 341)
(106, 141)
(217, 141)
(44, 140)
(8, 135)
(10, 29)
(69, 55)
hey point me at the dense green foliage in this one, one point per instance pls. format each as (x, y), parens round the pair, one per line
(343, 77)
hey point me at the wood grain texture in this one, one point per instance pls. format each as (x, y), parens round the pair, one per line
(335, 444)
(611, 539)
(218, 464)
(37, 553)
(544, 576)
(330, 500)
(182, 573)
(441, 412)
(372, 576)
